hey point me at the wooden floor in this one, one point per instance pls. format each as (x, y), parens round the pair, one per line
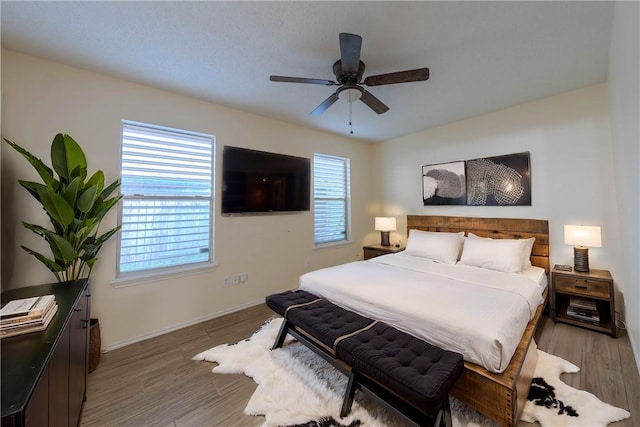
(155, 382)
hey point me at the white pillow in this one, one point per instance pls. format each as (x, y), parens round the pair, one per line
(437, 246)
(508, 255)
(527, 247)
(526, 252)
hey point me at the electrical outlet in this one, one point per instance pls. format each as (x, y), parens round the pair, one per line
(235, 279)
(244, 277)
(225, 282)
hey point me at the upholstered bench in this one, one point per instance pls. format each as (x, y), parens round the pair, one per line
(403, 372)
(326, 322)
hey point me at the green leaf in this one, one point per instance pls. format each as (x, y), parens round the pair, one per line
(32, 188)
(78, 172)
(43, 170)
(90, 223)
(49, 263)
(83, 234)
(56, 206)
(93, 245)
(70, 193)
(61, 248)
(87, 199)
(66, 156)
(101, 209)
(107, 191)
(100, 240)
(96, 179)
(40, 231)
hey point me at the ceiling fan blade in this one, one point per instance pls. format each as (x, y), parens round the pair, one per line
(419, 74)
(350, 45)
(301, 80)
(372, 102)
(325, 104)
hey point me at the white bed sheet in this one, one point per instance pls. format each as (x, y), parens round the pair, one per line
(479, 313)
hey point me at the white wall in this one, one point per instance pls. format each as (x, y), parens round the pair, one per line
(568, 137)
(624, 72)
(42, 98)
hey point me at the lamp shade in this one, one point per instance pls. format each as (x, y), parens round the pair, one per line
(384, 223)
(582, 235)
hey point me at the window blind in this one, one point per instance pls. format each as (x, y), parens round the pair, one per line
(167, 197)
(331, 198)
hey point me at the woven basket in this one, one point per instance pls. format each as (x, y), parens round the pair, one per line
(94, 344)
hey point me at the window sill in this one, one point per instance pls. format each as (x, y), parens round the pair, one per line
(332, 244)
(134, 279)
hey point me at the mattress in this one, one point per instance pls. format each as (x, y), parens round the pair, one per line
(479, 313)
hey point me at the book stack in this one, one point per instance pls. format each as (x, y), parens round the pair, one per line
(26, 315)
(583, 309)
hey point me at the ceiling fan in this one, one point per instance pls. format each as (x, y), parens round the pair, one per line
(349, 70)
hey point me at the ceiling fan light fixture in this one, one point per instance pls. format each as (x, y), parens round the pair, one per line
(350, 94)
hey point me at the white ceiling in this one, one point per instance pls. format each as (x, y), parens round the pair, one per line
(483, 56)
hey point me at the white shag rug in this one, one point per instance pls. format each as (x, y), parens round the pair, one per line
(297, 387)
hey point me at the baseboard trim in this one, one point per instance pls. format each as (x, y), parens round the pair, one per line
(124, 343)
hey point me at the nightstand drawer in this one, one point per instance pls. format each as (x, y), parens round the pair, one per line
(587, 287)
(372, 253)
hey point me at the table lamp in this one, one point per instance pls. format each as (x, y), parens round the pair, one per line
(385, 224)
(582, 237)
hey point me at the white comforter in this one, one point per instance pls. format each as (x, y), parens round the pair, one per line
(479, 313)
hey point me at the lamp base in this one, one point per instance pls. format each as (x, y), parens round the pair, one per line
(385, 238)
(581, 259)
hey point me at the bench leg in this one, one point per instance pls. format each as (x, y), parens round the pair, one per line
(443, 417)
(284, 330)
(348, 395)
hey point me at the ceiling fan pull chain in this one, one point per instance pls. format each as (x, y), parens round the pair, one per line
(350, 114)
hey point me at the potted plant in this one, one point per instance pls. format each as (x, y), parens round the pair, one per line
(75, 206)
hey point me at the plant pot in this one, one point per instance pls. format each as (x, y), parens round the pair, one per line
(94, 344)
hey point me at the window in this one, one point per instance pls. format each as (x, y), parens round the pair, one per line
(167, 203)
(330, 198)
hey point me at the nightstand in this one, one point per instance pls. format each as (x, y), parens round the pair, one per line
(373, 251)
(584, 299)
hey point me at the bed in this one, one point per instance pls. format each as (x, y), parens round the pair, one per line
(497, 345)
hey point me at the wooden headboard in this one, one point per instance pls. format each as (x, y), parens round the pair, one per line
(497, 228)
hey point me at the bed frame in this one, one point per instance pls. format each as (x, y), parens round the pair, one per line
(498, 396)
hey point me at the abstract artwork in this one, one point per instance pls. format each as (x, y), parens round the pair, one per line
(444, 184)
(499, 181)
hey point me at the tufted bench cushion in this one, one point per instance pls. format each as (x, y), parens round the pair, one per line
(323, 320)
(420, 373)
(284, 300)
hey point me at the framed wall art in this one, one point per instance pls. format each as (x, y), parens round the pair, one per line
(499, 181)
(444, 184)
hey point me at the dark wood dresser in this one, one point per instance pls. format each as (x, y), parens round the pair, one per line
(44, 374)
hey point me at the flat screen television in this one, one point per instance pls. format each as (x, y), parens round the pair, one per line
(255, 182)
